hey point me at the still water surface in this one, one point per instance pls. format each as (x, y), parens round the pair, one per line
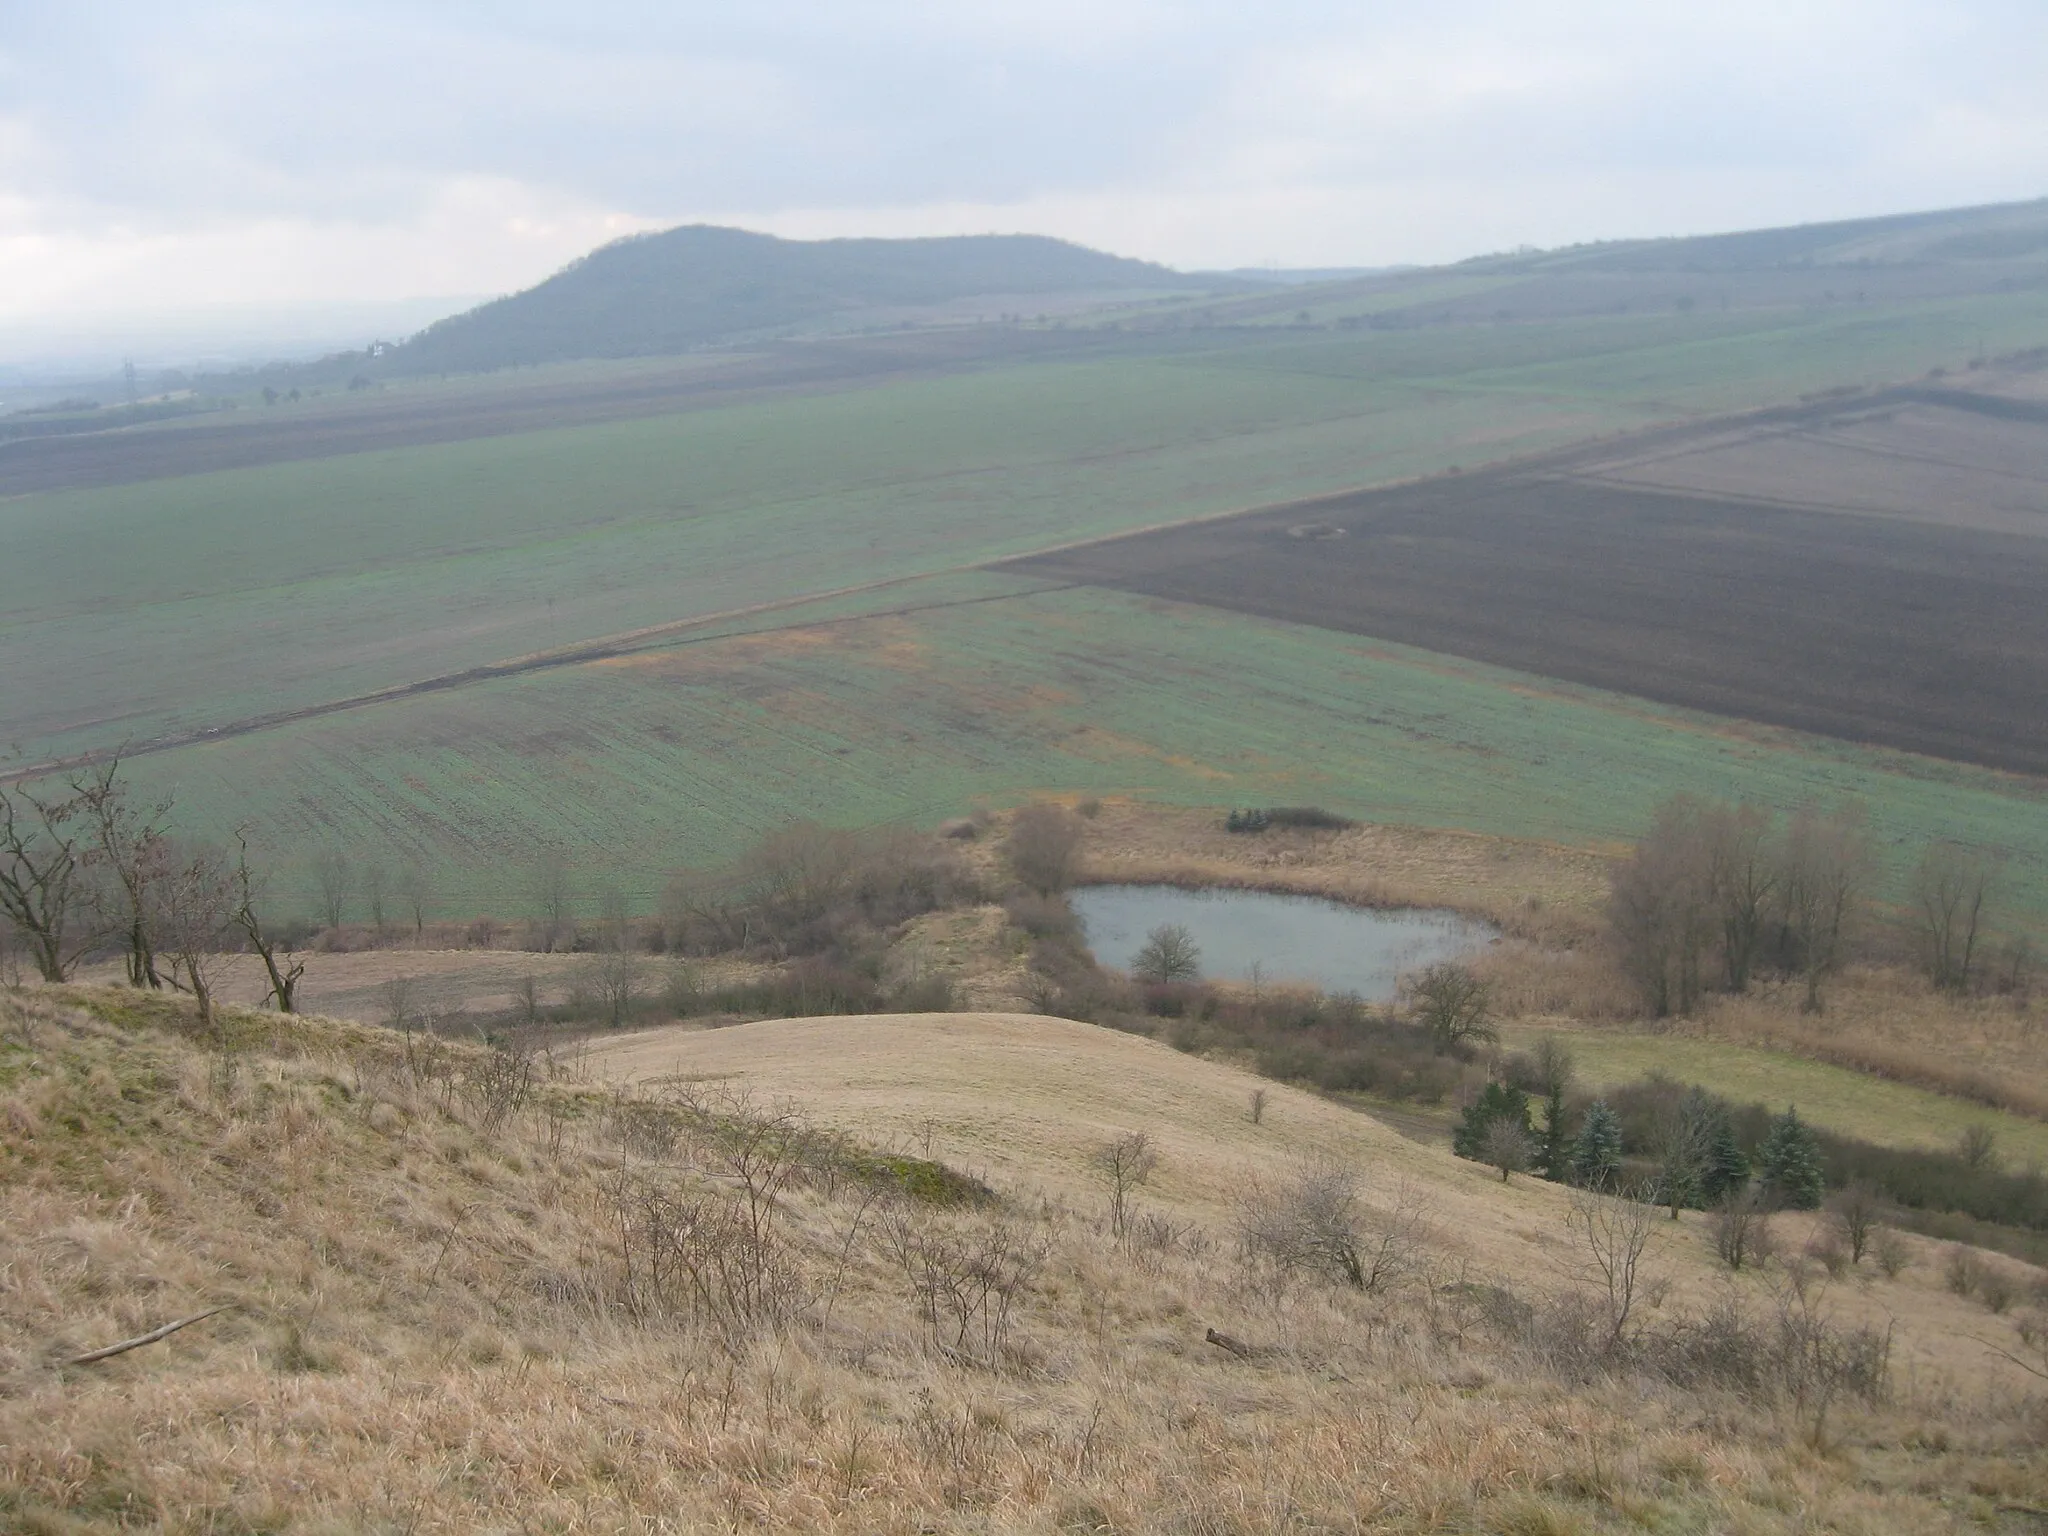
(1294, 939)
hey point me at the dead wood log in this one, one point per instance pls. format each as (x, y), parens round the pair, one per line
(150, 1337)
(1237, 1347)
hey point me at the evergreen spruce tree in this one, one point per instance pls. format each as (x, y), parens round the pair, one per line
(1788, 1164)
(1498, 1102)
(1596, 1155)
(1724, 1171)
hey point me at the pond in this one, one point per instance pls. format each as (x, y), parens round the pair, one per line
(1302, 940)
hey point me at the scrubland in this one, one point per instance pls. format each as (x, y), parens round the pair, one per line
(470, 1290)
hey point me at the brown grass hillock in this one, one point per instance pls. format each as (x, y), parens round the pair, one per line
(472, 1292)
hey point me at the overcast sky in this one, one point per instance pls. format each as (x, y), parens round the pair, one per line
(156, 157)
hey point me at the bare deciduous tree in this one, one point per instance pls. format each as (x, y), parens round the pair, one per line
(552, 902)
(1043, 845)
(1452, 1004)
(1950, 890)
(1169, 954)
(42, 873)
(1742, 876)
(194, 906)
(129, 851)
(1827, 863)
(615, 971)
(416, 890)
(1661, 910)
(284, 978)
(376, 893)
(332, 876)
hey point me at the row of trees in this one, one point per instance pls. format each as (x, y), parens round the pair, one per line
(1715, 895)
(86, 868)
(1694, 1157)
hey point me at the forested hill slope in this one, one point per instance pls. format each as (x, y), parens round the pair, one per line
(664, 293)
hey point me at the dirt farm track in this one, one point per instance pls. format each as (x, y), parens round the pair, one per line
(1875, 573)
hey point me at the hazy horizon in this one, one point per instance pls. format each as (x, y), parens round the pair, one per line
(157, 164)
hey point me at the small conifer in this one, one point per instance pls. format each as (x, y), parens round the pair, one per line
(1788, 1164)
(1596, 1155)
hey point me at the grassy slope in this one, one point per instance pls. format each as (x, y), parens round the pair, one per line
(682, 756)
(429, 1329)
(186, 603)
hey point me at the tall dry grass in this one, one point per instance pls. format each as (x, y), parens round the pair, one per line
(436, 1325)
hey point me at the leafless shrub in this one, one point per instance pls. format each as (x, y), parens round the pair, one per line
(1817, 1362)
(1852, 1215)
(1610, 1234)
(1742, 1230)
(1997, 1288)
(1125, 1164)
(612, 978)
(499, 1085)
(1256, 1110)
(1317, 1225)
(719, 1253)
(1961, 1269)
(1506, 1146)
(1891, 1251)
(1978, 1147)
(1044, 842)
(1826, 1248)
(398, 1003)
(710, 1255)
(966, 1280)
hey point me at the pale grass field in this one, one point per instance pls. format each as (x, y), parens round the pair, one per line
(427, 1336)
(1024, 1101)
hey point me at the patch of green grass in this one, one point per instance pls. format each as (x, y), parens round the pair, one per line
(1836, 1098)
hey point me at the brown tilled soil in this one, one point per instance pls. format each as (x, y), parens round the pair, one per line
(1906, 613)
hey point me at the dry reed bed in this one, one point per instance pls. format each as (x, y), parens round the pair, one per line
(431, 1332)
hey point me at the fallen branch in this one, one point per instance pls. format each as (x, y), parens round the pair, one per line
(1237, 1347)
(141, 1339)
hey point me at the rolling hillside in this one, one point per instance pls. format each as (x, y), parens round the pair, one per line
(431, 1286)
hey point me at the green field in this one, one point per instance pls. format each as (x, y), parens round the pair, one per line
(978, 688)
(188, 604)
(177, 605)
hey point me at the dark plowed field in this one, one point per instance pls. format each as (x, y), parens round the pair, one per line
(1883, 630)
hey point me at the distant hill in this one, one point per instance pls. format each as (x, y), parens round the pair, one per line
(1995, 232)
(1900, 258)
(651, 295)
